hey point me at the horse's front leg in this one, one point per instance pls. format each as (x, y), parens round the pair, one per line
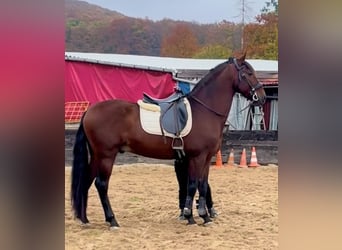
(202, 189)
(192, 187)
(181, 169)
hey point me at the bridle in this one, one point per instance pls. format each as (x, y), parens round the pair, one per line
(242, 75)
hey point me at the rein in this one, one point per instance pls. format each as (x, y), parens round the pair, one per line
(207, 107)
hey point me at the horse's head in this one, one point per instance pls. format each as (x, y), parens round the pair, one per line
(247, 83)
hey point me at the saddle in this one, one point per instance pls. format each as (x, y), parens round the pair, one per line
(172, 98)
(173, 116)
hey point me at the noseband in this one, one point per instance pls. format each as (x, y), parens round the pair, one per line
(242, 75)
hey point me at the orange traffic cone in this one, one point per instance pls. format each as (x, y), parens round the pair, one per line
(243, 160)
(218, 159)
(254, 160)
(230, 161)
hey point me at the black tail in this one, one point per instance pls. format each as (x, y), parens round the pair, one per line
(80, 170)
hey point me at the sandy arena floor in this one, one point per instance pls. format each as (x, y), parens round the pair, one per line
(144, 200)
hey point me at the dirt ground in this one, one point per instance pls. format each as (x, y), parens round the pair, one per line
(144, 198)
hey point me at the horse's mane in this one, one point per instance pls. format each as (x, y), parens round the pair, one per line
(208, 77)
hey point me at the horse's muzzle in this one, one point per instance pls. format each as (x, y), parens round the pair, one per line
(262, 100)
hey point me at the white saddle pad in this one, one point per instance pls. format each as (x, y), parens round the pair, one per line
(150, 115)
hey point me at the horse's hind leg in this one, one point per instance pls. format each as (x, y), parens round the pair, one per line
(87, 184)
(101, 182)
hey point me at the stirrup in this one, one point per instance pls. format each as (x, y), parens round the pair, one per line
(176, 145)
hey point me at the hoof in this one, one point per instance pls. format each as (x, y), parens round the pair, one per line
(112, 222)
(114, 228)
(212, 213)
(206, 224)
(83, 220)
(83, 223)
(191, 221)
(181, 215)
(206, 219)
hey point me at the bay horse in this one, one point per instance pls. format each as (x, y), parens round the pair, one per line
(112, 127)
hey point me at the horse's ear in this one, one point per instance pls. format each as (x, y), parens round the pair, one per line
(244, 54)
(241, 58)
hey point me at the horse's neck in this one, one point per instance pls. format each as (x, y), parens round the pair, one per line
(217, 93)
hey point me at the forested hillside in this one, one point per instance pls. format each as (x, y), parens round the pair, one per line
(89, 28)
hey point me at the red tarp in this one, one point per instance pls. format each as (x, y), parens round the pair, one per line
(96, 82)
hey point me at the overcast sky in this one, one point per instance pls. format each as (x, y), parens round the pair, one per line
(201, 11)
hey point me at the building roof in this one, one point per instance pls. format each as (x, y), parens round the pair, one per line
(180, 67)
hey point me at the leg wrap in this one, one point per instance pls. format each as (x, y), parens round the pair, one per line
(201, 207)
(188, 206)
(209, 199)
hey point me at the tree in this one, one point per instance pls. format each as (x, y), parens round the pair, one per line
(213, 52)
(269, 5)
(180, 43)
(262, 37)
